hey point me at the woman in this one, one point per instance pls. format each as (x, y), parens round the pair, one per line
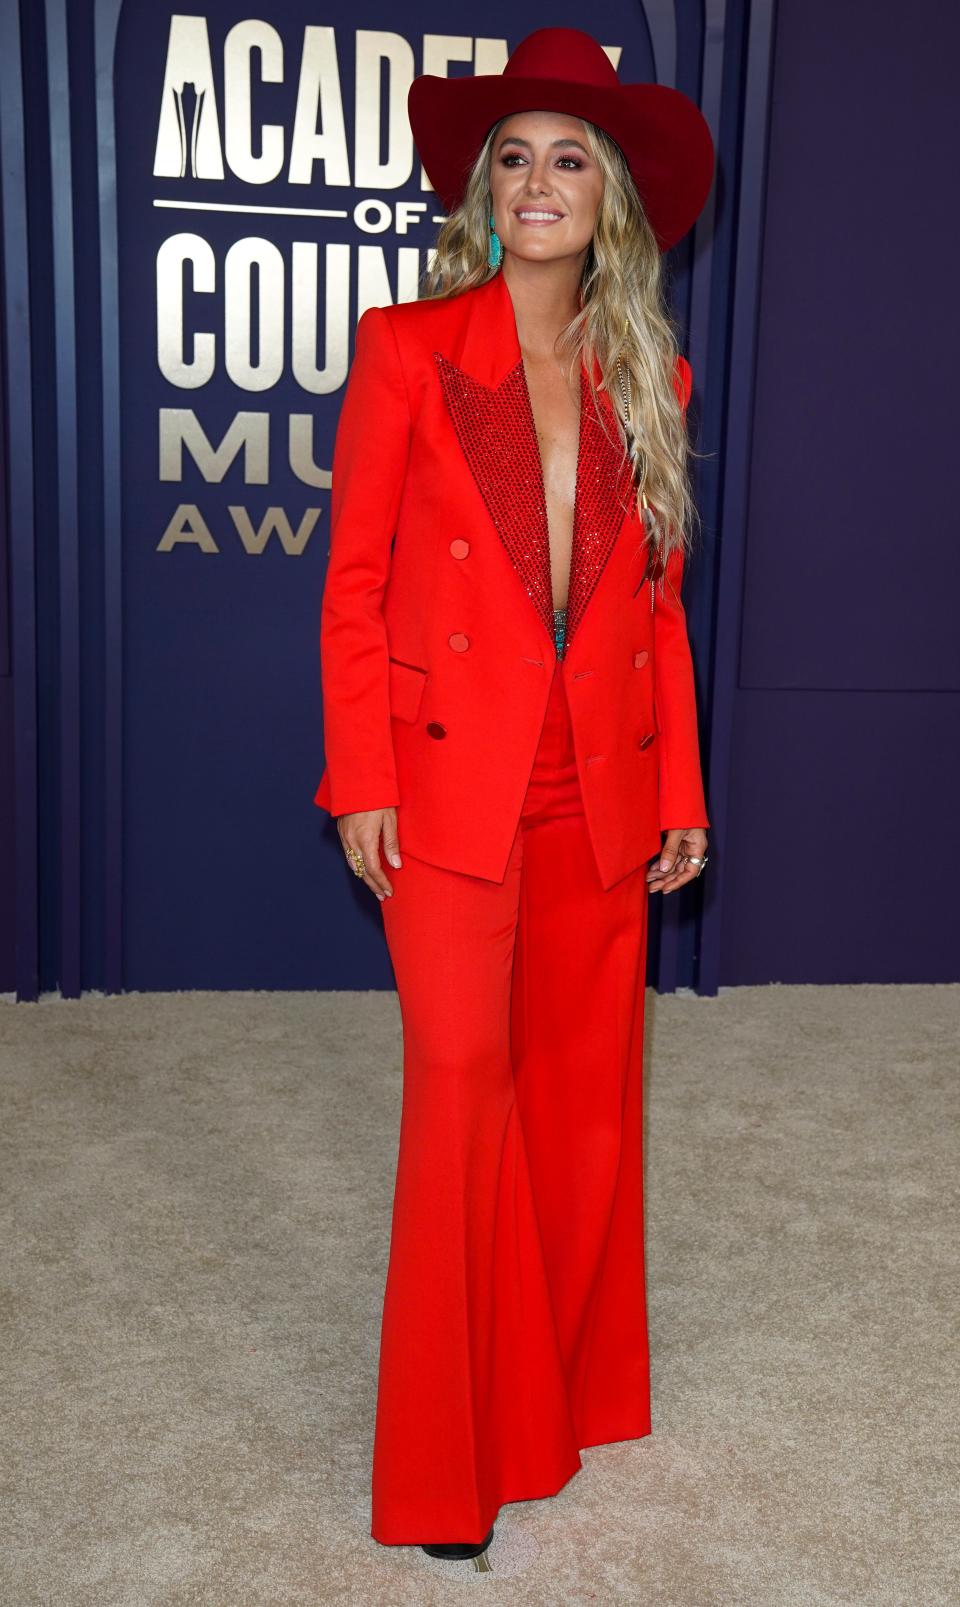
(510, 727)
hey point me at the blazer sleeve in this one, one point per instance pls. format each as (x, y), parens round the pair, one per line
(681, 800)
(370, 456)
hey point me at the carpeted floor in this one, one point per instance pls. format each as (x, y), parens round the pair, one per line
(196, 1212)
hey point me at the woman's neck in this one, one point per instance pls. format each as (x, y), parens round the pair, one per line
(545, 296)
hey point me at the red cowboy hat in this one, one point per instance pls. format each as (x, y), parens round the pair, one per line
(661, 132)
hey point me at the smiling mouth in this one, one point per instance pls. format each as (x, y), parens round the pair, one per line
(537, 215)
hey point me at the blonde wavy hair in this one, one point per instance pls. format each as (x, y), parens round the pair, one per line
(624, 318)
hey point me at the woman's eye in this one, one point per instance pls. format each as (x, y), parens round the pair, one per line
(512, 158)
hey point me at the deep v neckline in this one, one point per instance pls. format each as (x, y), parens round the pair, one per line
(575, 508)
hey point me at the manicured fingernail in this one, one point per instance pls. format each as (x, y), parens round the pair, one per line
(664, 864)
(395, 859)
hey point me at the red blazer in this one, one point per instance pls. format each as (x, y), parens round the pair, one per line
(436, 627)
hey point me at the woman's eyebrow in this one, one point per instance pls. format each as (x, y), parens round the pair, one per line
(513, 139)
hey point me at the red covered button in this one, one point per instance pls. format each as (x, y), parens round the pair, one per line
(645, 740)
(435, 729)
(459, 642)
(459, 548)
(639, 659)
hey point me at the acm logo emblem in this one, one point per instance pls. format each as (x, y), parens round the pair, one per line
(283, 302)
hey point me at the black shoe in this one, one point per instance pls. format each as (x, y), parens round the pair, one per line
(455, 1552)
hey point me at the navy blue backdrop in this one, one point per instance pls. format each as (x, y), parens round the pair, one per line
(195, 212)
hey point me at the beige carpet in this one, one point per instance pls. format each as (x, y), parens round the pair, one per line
(196, 1208)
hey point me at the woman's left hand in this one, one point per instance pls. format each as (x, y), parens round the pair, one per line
(670, 869)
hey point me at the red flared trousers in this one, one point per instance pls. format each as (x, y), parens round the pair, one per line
(514, 1319)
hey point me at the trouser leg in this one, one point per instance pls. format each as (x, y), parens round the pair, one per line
(577, 1051)
(472, 1404)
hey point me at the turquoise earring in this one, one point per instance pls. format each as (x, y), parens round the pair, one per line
(495, 253)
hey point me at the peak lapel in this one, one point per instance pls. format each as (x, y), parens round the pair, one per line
(604, 498)
(485, 390)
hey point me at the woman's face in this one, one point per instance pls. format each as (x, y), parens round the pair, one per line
(546, 186)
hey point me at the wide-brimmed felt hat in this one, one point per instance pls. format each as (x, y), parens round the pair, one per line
(662, 133)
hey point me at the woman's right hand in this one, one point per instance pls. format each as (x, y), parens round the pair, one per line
(362, 830)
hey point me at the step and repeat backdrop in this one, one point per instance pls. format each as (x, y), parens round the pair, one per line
(196, 209)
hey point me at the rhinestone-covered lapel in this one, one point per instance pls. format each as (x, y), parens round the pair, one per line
(497, 435)
(604, 498)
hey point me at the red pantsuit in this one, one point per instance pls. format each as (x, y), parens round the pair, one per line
(531, 793)
(514, 1324)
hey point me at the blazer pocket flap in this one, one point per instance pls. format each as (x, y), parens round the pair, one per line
(407, 682)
